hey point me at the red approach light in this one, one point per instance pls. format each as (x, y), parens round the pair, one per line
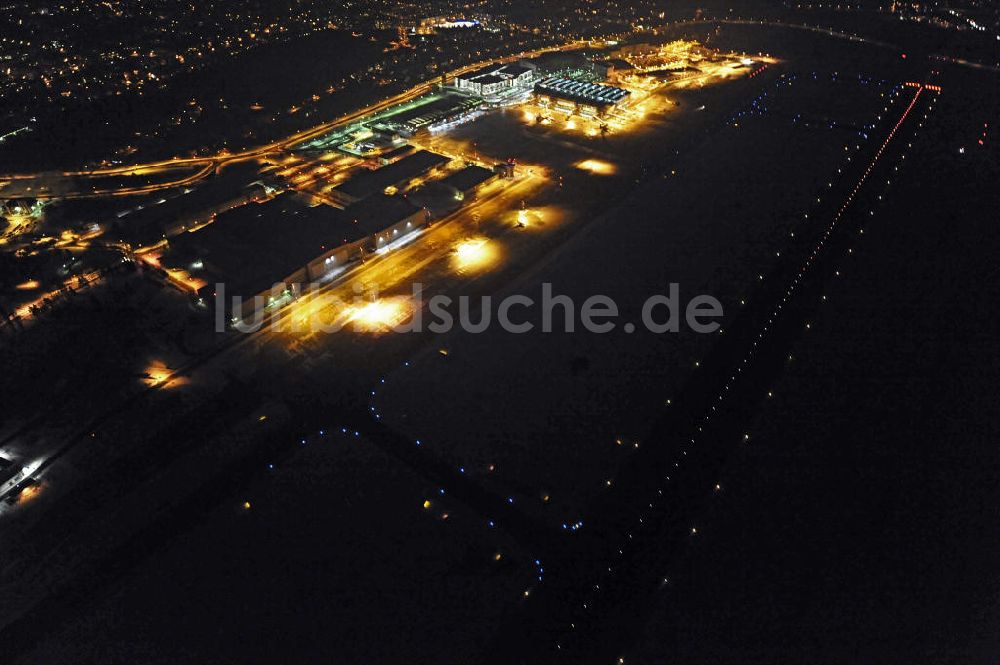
(904, 56)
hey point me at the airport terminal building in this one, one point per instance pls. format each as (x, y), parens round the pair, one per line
(587, 99)
(496, 78)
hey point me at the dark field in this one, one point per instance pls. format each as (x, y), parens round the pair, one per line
(816, 483)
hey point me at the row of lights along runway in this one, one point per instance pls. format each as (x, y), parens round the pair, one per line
(464, 253)
(576, 524)
(789, 291)
(467, 252)
(344, 432)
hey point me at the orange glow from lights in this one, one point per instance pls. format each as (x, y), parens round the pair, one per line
(29, 493)
(379, 315)
(596, 166)
(474, 253)
(158, 374)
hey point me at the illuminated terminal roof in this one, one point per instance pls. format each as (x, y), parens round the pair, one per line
(585, 93)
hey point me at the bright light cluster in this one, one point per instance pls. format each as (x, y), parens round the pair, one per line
(474, 253)
(379, 315)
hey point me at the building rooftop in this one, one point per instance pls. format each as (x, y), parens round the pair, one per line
(254, 245)
(587, 93)
(422, 115)
(482, 71)
(467, 178)
(555, 61)
(365, 183)
(617, 63)
(148, 225)
(490, 78)
(495, 72)
(517, 69)
(375, 213)
(395, 153)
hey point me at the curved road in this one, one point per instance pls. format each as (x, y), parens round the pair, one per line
(211, 164)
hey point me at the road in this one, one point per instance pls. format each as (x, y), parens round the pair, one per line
(74, 185)
(431, 257)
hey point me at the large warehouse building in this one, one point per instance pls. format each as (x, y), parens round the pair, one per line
(286, 240)
(468, 180)
(365, 182)
(442, 108)
(571, 96)
(147, 225)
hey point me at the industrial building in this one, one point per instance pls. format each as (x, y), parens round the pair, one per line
(153, 222)
(14, 477)
(468, 180)
(429, 112)
(675, 55)
(19, 207)
(385, 219)
(569, 96)
(364, 182)
(255, 245)
(568, 64)
(284, 240)
(395, 154)
(496, 78)
(612, 70)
